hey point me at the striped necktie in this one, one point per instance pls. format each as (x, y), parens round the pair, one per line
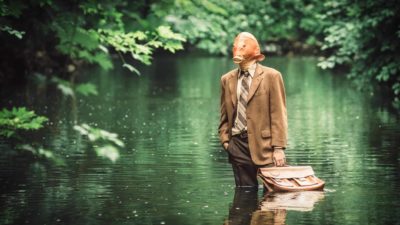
(242, 103)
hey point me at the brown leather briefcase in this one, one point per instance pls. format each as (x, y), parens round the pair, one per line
(290, 178)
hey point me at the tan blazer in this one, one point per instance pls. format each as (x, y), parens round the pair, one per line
(266, 112)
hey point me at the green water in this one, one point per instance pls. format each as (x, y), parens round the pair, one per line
(173, 170)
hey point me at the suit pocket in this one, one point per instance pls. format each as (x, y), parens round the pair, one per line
(266, 133)
(266, 139)
(231, 148)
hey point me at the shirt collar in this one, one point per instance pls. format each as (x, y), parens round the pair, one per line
(252, 70)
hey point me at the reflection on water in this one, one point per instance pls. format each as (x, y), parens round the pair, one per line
(298, 201)
(173, 169)
(245, 202)
(269, 217)
(273, 208)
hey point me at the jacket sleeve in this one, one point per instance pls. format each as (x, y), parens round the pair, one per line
(223, 129)
(278, 112)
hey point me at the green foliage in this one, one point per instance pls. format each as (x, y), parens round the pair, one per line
(17, 119)
(20, 119)
(203, 27)
(79, 43)
(100, 27)
(211, 25)
(88, 30)
(364, 35)
(68, 89)
(141, 45)
(168, 40)
(104, 143)
(11, 9)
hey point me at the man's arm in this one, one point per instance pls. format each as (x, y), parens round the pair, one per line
(278, 112)
(278, 119)
(223, 129)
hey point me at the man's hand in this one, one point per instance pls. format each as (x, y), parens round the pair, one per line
(279, 157)
(226, 145)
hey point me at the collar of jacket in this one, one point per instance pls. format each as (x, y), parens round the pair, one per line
(251, 70)
(233, 79)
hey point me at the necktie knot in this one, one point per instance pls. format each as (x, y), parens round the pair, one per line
(244, 73)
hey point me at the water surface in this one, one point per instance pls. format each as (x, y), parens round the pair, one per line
(173, 170)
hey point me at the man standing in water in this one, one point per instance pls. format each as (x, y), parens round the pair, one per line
(253, 122)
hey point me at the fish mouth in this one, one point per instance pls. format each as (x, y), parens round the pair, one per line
(238, 59)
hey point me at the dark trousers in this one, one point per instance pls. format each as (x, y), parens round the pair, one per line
(244, 170)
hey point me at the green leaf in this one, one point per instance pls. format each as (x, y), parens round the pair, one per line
(172, 46)
(86, 89)
(108, 151)
(66, 89)
(64, 86)
(103, 60)
(103, 48)
(166, 32)
(85, 38)
(131, 68)
(11, 31)
(140, 35)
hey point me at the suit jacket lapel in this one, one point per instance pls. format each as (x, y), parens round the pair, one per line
(233, 86)
(255, 83)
